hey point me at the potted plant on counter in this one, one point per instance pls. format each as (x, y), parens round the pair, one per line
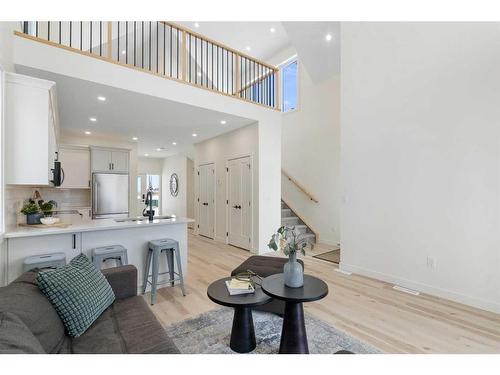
(32, 212)
(46, 207)
(290, 241)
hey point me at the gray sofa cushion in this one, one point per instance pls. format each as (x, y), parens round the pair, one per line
(23, 298)
(16, 338)
(128, 326)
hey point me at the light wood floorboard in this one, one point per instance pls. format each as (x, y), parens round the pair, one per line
(392, 321)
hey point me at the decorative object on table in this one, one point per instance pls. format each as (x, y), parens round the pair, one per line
(207, 334)
(32, 212)
(243, 331)
(50, 220)
(235, 287)
(174, 184)
(79, 293)
(293, 333)
(35, 208)
(290, 241)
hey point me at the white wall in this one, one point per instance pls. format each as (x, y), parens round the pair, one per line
(420, 156)
(7, 45)
(174, 205)
(218, 150)
(310, 146)
(41, 56)
(190, 190)
(149, 165)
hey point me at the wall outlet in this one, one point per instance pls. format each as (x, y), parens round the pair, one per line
(431, 262)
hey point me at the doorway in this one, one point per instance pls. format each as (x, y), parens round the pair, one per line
(239, 202)
(206, 200)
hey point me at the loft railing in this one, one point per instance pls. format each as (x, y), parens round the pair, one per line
(167, 50)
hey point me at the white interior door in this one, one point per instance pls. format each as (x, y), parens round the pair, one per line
(240, 202)
(206, 200)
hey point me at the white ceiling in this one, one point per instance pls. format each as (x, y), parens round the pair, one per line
(320, 57)
(238, 35)
(125, 114)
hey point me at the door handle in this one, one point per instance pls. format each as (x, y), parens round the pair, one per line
(74, 241)
(205, 203)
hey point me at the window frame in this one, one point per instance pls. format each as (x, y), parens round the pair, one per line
(281, 67)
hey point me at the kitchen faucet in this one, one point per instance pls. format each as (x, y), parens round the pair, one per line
(149, 201)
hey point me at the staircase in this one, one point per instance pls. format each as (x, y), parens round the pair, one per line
(289, 218)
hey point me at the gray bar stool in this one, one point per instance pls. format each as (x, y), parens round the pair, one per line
(53, 260)
(156, 247)
(102, 254)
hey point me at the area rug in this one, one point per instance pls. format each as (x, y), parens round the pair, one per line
(330, 256)
(209, 333)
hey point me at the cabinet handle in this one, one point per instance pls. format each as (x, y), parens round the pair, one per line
(74, 241)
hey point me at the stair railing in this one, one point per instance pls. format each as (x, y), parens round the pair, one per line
(167, 50)
(300, 187)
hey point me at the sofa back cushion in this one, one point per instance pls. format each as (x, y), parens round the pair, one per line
(15, 336)
(23, 299)
(78, 291)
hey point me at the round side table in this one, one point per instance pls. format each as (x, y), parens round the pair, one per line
(243, 332)
(293, 333)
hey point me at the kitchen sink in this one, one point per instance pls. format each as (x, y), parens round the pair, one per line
(142, 218)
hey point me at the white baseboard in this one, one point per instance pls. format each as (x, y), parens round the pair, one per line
(424, 288)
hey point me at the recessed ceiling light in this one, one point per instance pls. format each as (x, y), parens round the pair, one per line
(223, 122)
(194, 135)
(248, 48)
(146, 154)
(272, 29)
(196, 24)
(174, 143)
(124, 52)
(135, 138)
(328, 37)
(158, 149)
(92, 119)
(101, 98)
(88, 133)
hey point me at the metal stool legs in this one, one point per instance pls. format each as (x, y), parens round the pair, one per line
(153, 263)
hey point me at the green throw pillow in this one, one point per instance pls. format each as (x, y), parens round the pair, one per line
(79, 293)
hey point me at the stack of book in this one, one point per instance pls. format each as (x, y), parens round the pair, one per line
(235, 287)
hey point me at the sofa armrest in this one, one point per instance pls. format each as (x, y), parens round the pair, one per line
(123, 280)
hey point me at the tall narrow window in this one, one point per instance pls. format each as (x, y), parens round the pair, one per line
(290, 86)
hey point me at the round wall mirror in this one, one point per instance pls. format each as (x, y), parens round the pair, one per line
(174, 184)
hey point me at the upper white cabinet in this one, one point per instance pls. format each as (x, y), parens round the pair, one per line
(109, 160)
(31, 130)
(75, 162)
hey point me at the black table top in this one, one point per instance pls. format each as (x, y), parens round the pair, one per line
(313, 289)
(217, 292)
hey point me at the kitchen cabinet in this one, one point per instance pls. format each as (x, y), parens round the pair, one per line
(23, 247)
(75, 162)
(109, 160)
(31, 130)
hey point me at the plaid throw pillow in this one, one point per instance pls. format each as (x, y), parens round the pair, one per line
(79, 293)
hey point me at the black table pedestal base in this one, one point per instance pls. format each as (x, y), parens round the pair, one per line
(293, 334)
(243, 332)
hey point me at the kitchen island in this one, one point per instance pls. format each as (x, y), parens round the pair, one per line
(79, 238)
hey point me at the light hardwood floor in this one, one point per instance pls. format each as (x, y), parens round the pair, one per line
(368, 309)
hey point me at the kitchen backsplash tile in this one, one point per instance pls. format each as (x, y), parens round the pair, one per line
(65, 198)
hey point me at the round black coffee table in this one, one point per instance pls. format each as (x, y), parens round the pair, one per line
(243, 332)
(293, 333)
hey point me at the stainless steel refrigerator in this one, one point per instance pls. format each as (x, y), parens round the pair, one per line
(109, 195)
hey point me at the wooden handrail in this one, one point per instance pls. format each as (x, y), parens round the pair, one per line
(299, 186)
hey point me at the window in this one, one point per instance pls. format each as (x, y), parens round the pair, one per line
(290, 86)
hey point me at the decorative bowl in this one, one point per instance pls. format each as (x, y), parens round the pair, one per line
(49, 220)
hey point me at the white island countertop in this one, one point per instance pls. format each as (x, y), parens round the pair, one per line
(92, 226)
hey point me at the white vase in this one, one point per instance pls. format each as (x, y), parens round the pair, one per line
(293, 272)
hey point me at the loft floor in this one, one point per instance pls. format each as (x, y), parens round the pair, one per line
(368, 309)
